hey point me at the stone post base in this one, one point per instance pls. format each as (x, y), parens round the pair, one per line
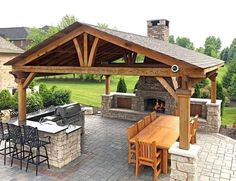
(184, 163)
(213, 116)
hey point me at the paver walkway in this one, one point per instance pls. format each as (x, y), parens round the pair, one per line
(104, 157)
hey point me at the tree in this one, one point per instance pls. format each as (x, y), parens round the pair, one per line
(121, 86)
(37, 35)
(224, 55)
(200, 50)
(232, 88)
(66, 20)
(232, 50)
(172, 39)
(227, 79)
(185, 42)
(103, 25)
(212, 46)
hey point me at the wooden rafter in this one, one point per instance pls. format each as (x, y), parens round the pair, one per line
(167, 86)
(93, 52)
(29, 79)
(51, 46)
(85, 49)
(79, 52)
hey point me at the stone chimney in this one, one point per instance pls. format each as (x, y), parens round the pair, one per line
(158, 29)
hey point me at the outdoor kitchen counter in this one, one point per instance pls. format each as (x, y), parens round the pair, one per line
(65, 141)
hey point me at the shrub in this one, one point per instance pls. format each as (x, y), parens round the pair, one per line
(232, 88)
(5, 99)
(220, 95)
(32, 84)
(60, 97)
(34, 102)
(197, 93)
(205, 93)
(46, 95)
(15, 101)
(121, 86)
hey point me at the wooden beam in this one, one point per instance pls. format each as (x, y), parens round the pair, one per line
(156, 72)
(21, 103)
(93, 52)
(184, 116)
(29, 79)
(108, 83)
(175, 83)
(85, 49)
(213, 87)
(167, 86)
(79, 52)
(51, 46)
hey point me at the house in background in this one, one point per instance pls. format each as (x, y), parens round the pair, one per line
(7, 52)
(16, 35)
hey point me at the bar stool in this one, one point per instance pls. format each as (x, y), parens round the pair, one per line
(32, 140)
(16, 137)
(4, 136)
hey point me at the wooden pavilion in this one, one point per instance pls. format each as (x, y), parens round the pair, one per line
(88, 49)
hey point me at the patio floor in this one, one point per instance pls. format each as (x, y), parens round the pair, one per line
(104, 157)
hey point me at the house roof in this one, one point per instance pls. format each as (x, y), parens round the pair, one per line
(180, 54)
(15, 33)
(189, 56)
(8, 47)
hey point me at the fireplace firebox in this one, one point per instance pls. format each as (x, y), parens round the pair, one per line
(154, 105)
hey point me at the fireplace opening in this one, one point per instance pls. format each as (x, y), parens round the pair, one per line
(154, 105)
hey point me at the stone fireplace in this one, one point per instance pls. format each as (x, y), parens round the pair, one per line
(151, 95)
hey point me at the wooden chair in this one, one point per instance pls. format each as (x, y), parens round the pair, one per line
(131, 132)
(153, 115)
(193, 129)
(147, 154)
(141, 125)
(147, 120)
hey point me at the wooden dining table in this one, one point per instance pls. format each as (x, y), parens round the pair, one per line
(164, 130)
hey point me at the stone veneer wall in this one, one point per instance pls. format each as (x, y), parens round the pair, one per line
(64, 147)
(6, 79)
(184, 163)
(209, 122)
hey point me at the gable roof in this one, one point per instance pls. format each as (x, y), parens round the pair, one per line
(8, 47)
(15, 33)
(191, 57)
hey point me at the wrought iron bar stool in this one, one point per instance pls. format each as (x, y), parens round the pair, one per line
(15, 135)
(32, 139)
(4, 136)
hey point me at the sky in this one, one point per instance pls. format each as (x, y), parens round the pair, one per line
(195, 19)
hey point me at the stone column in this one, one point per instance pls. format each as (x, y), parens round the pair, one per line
(213, 116)
(107, 101)
(184, 163)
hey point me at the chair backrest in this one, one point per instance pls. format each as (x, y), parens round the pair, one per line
(145, 151)
(141, 125)
(153, 115)
(30, 133)
(132, 131)
(147, 120)
(15, 133)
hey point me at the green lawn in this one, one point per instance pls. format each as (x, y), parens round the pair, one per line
(89, 93)
(229, 116)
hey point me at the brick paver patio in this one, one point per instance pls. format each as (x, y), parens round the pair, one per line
(104, 157)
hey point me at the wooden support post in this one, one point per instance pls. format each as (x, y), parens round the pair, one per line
(184, 116)
(213, 87)
(21, 103)
(108, 82)
(85, 49)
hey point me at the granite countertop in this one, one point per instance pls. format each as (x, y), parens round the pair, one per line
(50, 126)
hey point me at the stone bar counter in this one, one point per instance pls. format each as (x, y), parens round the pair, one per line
(65, 141)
